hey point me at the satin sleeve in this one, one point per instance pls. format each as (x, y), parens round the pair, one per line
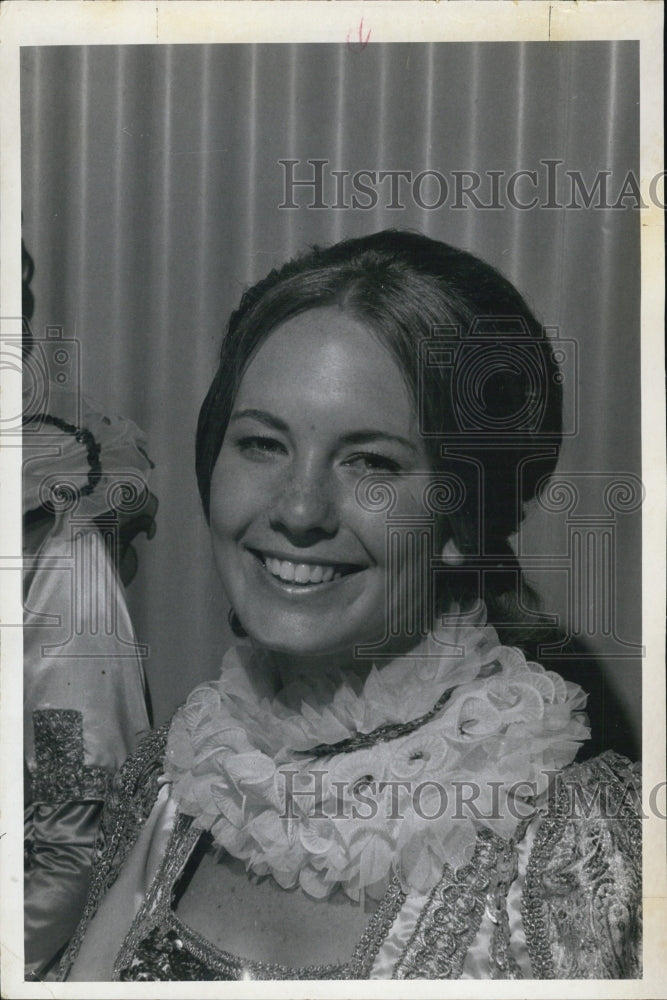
(84, 711)
(60, 841)
(80, 654)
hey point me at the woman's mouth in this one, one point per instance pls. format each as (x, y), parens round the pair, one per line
(304, 574)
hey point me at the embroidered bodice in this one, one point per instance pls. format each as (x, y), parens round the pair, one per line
(161, 942)
(577, 914)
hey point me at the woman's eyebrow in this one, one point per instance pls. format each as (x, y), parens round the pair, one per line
(366, 436)
(353, 437)
(263, 417)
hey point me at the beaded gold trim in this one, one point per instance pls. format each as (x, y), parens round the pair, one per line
(60, 774)
(132, 796)
(453, 913)
(582, 895)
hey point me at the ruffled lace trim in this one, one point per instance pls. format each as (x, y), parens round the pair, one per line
(241, 762)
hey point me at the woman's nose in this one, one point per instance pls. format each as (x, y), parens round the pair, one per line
(305, 508)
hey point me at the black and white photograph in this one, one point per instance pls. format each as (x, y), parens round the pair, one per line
(336, 557)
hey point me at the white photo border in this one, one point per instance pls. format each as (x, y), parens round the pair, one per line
(85, 22)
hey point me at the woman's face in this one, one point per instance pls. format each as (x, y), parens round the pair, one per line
(303, 562)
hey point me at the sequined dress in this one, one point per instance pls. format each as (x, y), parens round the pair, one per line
(560, 901)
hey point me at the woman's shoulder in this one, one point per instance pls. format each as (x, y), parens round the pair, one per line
(135, 786)
(597, 799)
(607, 786)
(131, 798)
(587, 848)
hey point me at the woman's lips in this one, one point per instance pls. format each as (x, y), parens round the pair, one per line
(304, 573)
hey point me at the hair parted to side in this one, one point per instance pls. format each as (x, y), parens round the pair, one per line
(403, 285)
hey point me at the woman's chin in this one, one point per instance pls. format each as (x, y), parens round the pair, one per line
(306, 646)
(301, 637)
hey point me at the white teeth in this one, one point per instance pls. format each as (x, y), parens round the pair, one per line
(286, 571)
(302, 573)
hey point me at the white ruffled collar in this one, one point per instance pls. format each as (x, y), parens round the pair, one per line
(241, 761)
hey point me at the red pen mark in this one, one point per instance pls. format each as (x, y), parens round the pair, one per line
(363, 42)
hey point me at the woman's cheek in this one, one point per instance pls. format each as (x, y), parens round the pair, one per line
(370, 529)
(240, 491)
(406, 504)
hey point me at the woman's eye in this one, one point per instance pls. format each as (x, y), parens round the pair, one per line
(369, 461)
(258, 447)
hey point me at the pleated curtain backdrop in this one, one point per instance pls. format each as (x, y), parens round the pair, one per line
(152, 187)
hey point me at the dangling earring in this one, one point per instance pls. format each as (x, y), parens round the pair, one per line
(451, 554)
(235, 624)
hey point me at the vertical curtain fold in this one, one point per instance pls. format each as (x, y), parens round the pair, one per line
(152, 187)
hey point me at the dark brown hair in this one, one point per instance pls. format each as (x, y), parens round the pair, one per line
(475, 360)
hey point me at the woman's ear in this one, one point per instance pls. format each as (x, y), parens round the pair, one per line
(451, 554)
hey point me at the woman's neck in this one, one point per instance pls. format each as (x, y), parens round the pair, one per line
(286, 668)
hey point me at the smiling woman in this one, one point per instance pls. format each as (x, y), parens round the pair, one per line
(381, 784)
(322, 404)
